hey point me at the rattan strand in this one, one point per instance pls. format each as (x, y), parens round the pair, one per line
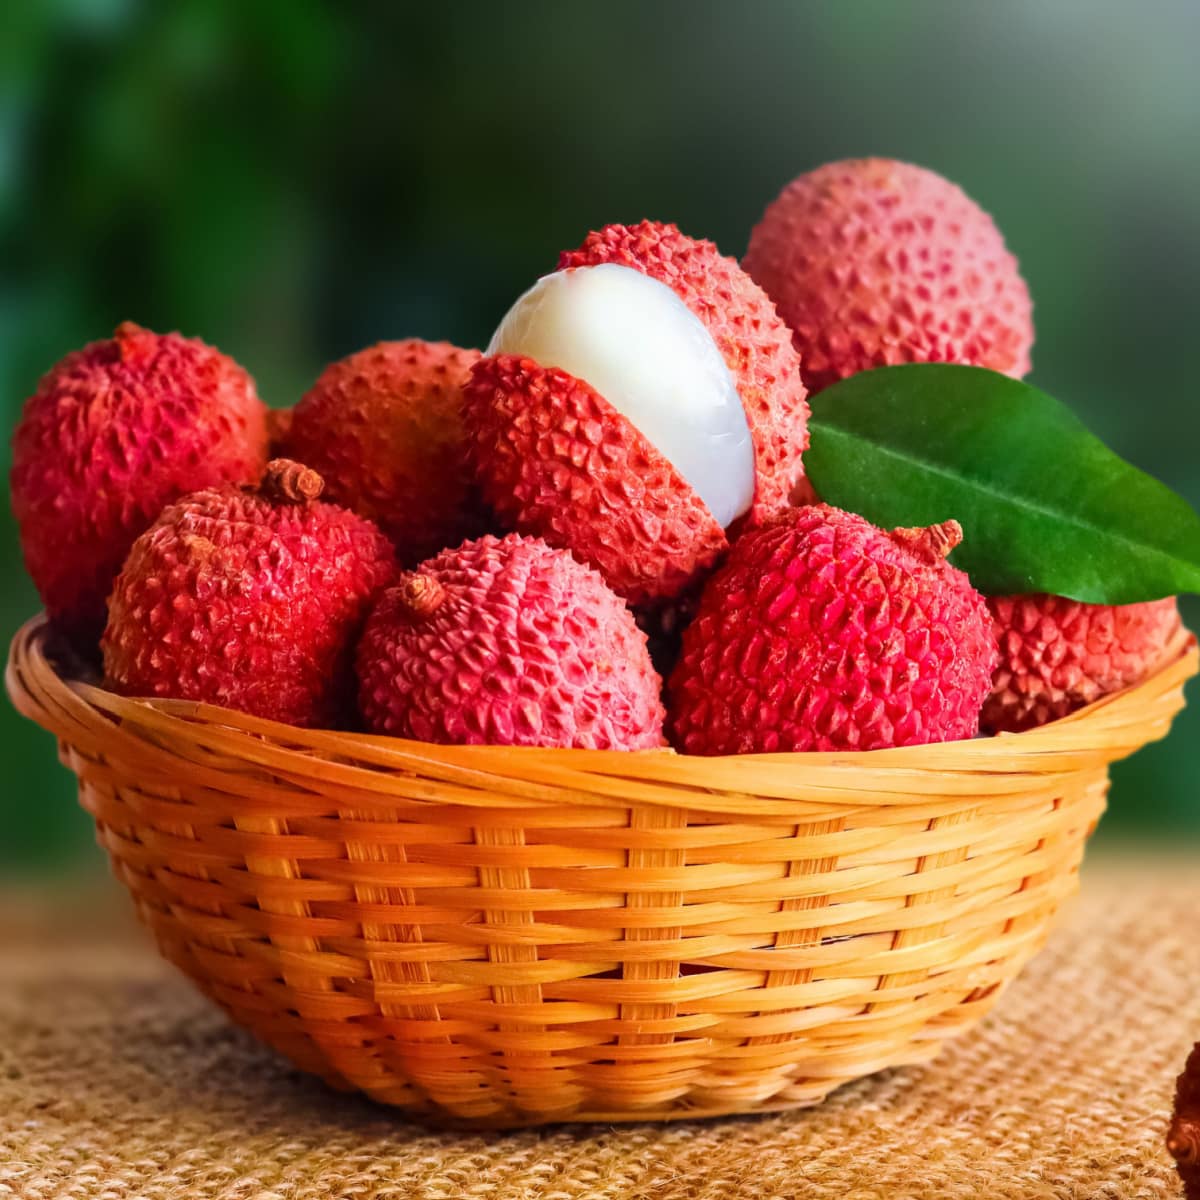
(502, 936)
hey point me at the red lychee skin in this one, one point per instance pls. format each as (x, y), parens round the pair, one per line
(556, 460)
(250, 600)
(113, 433)
(874, 262)
(1056, 655)
(384, 429)
(1183, 1136)
(508, 642)
(821, 632)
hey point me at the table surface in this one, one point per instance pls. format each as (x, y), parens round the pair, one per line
(117, 1080)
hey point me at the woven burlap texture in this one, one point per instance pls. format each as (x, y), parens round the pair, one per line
(118, 1081)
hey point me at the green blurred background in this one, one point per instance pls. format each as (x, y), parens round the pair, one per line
(293, 180)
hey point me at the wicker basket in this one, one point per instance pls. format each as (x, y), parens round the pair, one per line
(509, 937)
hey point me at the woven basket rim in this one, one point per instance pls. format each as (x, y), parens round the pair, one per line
(1090, 738)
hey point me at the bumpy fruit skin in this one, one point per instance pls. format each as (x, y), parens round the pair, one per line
(384, 429)
(1183, 1136)
(747, 330)
(821, 632)
(556, 460)
(508, 642)
(249, 600)
(1057, 655)
(113, 433)
(874, 262)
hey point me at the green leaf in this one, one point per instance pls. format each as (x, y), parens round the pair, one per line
(1045, 506)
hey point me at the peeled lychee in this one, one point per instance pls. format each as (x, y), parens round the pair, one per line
(821, 632)
(508, 642)
(637, 404)
(114, 432)
(1057, 655)
(874, 262)
(384, 429)
(250, 600)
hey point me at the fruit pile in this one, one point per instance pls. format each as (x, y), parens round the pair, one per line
(517, 547)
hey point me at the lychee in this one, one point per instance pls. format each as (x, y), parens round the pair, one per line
(635, 405)
(874, 262)
(1057, 655)
(114, 432)
(249, 599)
(1183, 1136)
(508, 642)
(821, 632)
(384, 429)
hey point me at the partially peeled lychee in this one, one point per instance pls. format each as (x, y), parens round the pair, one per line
(651, 358)
(636, 405)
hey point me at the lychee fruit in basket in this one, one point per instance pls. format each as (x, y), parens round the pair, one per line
(874, 262)
(508, 642)
(822, 632)
(1056, 655)
(384, 429)
(250, 599)
(637, 404)
(113, 432)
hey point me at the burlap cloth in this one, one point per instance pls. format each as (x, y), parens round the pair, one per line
(118, 1081)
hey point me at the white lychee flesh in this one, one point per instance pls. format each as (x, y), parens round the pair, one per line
(640, 347)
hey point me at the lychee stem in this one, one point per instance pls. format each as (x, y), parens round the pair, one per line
(133, 342)
(420, 595)
(290, 482)
(931, 542)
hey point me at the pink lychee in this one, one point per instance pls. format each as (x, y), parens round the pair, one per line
(1057, 655)
(508, 642)
(874, 262)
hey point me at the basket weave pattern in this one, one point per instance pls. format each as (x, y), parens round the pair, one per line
(513, 936)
